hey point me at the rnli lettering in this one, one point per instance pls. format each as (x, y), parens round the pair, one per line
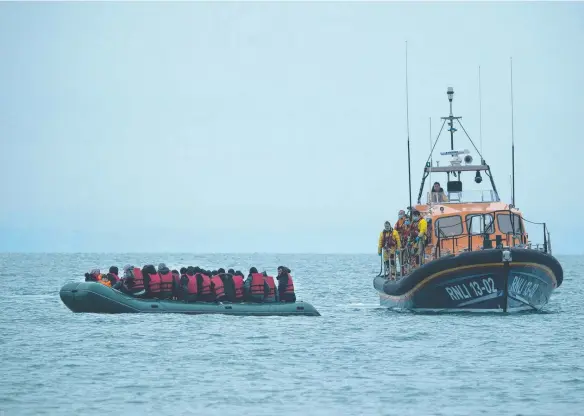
(523, 287)
(478, 288)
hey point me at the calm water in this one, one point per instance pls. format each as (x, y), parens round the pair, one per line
(355, 359)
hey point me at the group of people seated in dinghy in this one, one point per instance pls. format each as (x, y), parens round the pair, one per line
(194, 284)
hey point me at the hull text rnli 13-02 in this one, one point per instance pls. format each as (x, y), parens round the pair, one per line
(464, 251)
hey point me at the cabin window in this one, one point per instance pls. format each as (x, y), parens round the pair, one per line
(507, 223)
(480, 224)
(448, 226)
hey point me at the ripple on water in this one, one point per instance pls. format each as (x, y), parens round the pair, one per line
(357, 358)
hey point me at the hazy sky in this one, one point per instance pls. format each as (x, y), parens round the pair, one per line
(242, 127)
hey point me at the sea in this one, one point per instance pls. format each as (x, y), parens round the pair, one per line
(356, 359)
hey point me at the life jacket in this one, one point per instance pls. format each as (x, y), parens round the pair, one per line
(115, 276)
(105, 281)
(155, 282)
(138, 281)
(238, 285)
(257, 284)
(192, 287)
(414, 231)
(388, 239)
(272, 286)
(205, 288)
(166, 282)
(399, 225)
(289, 289)
(218, 287)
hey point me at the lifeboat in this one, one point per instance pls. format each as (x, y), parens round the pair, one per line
(476, 254)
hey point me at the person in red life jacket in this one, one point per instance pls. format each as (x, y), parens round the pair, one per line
(239, 293)
(93, 275)
(285, 285)
(166, 282)
(189, 287)
(218, 287)
(204, 286)
(112, 275)
(151, 281)
(254, 286)
(132, 283)
(270, 291)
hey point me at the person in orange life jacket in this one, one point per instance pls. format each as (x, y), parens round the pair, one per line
(270, 290)
(166, 282)
(254, 286)
(93, 275)
(285, 285)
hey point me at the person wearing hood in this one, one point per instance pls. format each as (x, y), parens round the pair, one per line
(166, 282)
(285, 285)
(132, 282)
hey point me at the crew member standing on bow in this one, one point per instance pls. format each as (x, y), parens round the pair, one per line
(399, 225)
(418, 230)
(389, 241)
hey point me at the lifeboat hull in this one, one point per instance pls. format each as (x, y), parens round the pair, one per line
(94, 297)
(477, 281)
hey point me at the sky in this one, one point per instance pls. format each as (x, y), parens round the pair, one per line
(274, 127)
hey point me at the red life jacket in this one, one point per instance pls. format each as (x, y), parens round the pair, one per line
(238, 285)
(155, 281)
(138, 284)
(192, 287)
(218, 287)
(388, 239)
(115, 276)
(166, 282)
(289, 289)
(205, 288)
(272, 286)
(257, 284)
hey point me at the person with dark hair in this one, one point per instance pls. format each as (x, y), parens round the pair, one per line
(437, 193)
(285, 285)
(254, 286)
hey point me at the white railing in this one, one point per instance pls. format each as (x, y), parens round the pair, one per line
(461, 197)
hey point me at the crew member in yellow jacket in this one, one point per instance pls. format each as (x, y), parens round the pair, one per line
(419, 228)
(389, 241)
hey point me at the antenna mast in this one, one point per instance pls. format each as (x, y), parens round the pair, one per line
(408, 130)
(480, 114)
(512, 141)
